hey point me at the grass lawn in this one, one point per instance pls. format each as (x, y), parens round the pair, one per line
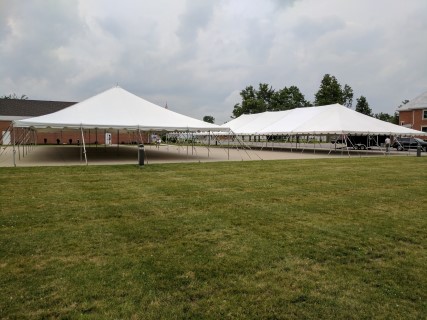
(307, 239)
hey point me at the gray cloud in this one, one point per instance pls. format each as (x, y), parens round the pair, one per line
(197, 55)
(313, 30)
(197, 16)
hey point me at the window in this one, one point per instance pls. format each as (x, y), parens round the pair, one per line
(424, 129)
(425, 114)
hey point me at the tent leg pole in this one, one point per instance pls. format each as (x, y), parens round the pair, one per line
(81, 152)
(228, 146)
(209, 143)
(13, 144)
(84, 144)
(314, 145)
(24, 143)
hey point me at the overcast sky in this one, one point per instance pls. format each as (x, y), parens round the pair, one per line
(197, 55)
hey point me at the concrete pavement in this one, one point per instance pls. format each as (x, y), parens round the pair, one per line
(72, 155)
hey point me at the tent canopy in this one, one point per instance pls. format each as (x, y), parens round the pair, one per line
(330, 119)
(119, 109)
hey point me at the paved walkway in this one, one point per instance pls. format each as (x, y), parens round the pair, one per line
(100, 155)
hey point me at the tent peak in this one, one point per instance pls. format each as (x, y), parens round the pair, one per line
(117, 108)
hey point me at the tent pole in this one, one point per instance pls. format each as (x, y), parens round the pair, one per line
(84, 144)
(209, 143)
(35, 138)
(347, 140)
(368, 144)
(19, 151)
(228, 149)
(118, 140)
(25, 143)
(13, 144)
(314, 151)
(305, 144)
(81, 151)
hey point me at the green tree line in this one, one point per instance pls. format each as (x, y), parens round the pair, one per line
(265, 98)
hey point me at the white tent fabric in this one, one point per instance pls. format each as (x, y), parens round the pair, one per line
(252, 123)
(118, 109)
(330, 119)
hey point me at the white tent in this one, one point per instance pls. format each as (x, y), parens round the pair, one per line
(118, 109)
(322, 120)
(115, 109)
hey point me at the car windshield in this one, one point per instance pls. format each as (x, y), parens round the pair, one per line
(418, 140)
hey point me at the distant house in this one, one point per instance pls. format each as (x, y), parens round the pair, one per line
(414, 113)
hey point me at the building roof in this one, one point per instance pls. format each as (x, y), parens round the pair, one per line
(419, 102)
(30, 108)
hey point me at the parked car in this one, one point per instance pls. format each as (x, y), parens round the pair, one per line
(409, 143)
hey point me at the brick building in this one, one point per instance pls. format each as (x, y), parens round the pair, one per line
(414, 113)
(17, 109)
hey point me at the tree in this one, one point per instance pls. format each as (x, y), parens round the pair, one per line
(288, 98)
(254, 101)
(347, 98)
(387, 117)
(14, 96)
(362, 106)
(331, 92)
(209, 119)
(267, 99)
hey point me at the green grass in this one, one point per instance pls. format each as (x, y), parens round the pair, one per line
(308, 239)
